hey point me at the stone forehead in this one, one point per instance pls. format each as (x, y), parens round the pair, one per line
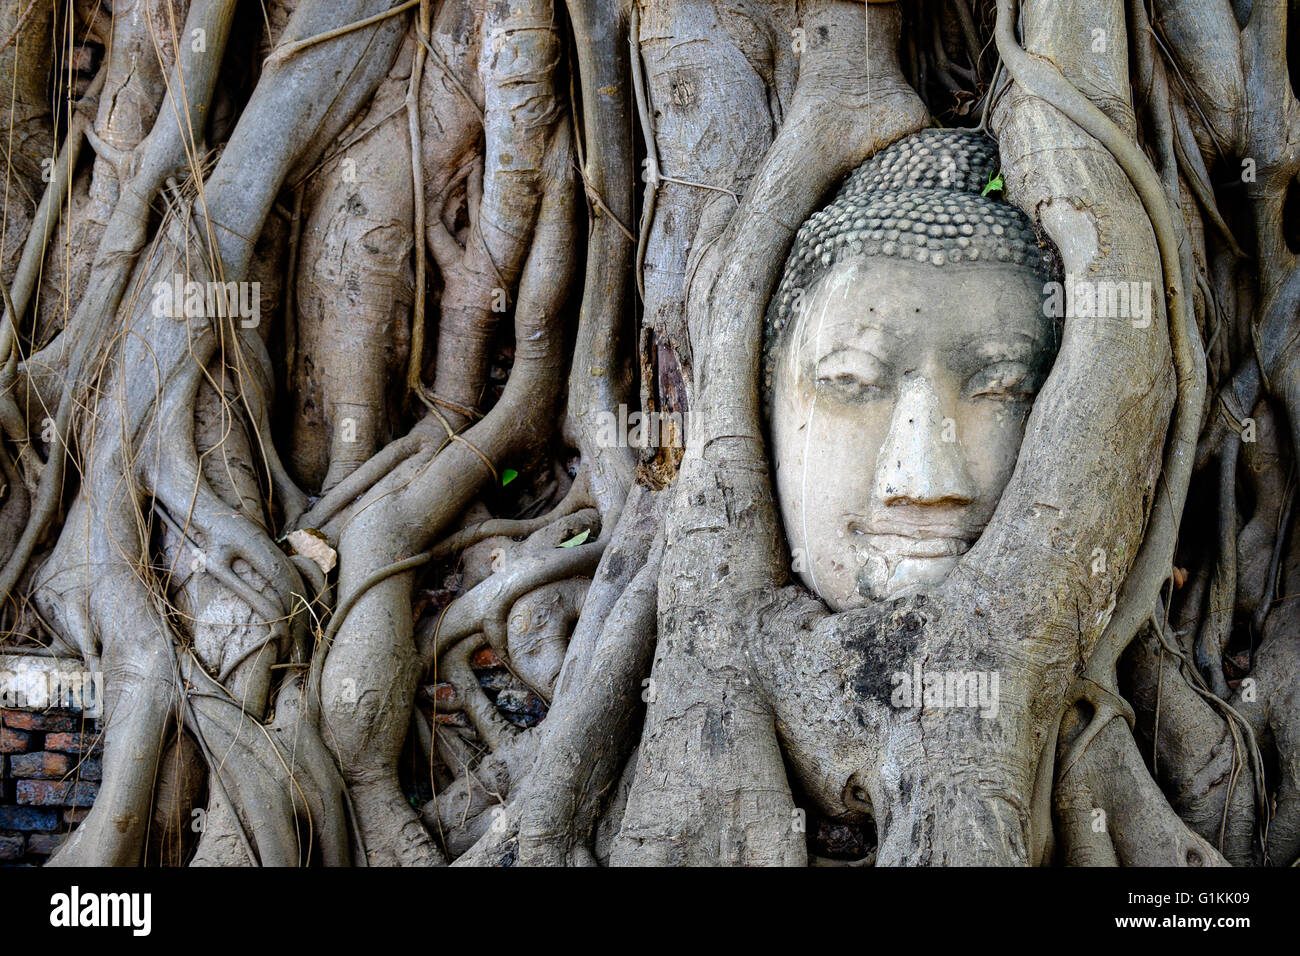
(917, 200)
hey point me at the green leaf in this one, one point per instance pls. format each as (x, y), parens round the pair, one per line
(508, 476)
(576, 540)
(995, 185)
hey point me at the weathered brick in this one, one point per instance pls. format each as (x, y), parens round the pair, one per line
(13, 741)
(75, 816)
(42, 765)
(85, 58)
(72, 743)
(28, 818)
(436, 693)
(54, 793)
(91, 768)
(485, 657)
(53, 721)
(11, 846)
(44, 843)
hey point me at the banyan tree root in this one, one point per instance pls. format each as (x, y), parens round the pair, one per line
(354, 292)
(26, 29)
(367, 687)
(147, 402)
(590, 731)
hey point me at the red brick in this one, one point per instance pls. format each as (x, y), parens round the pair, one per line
(50, 722)
(73, 817)
(42, 765)
(483, 658)
(436, 693)
(44, 843)
(72, 743)
(11, 846)
(84, 59)
(12, 741)
(54, 793)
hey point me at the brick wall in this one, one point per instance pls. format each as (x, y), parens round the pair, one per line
(49, 776)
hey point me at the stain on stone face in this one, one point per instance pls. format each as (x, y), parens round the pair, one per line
(878, 659)
(912, 623)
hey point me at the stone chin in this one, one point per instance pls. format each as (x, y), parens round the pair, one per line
(897, 576)
(880, 567)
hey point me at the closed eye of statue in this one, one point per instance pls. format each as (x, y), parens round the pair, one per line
(848, 386)
(851, 375)
(1002, 381)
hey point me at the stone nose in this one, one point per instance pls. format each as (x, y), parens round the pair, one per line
(921, 461)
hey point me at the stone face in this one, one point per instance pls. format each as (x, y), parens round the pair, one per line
(897, 413)
(904, 347)
(902, 352)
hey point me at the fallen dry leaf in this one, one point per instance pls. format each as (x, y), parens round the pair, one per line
(312, 544)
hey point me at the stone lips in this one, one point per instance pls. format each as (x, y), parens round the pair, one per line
(917, 200)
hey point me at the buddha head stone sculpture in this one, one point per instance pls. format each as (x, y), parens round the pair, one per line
(902, 354)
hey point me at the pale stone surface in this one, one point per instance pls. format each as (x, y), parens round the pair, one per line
(898, 406)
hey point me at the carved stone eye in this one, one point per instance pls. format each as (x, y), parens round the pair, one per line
(848, 386)
(1001, 380)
